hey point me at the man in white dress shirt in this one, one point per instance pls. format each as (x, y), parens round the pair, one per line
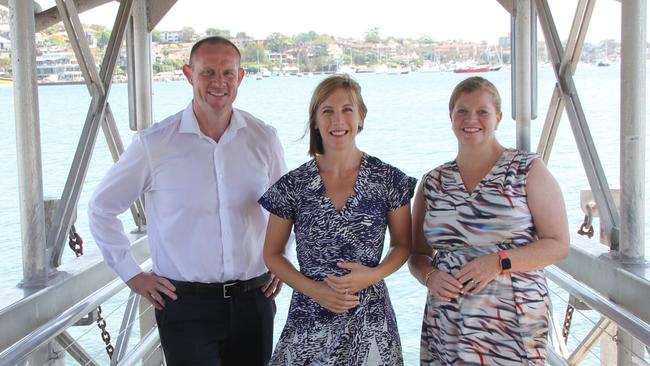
(201, 171)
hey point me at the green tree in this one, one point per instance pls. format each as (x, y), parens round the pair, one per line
(102, 37)
(305, 37)
(167, 66)
(57, 39)
(253, 54)
(5, 63)
(277, 42)
(324, 39)
(187, 34)
(156, 36)
(372, 35)
(217, 32)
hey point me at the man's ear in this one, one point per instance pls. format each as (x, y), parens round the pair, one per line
(187, 71)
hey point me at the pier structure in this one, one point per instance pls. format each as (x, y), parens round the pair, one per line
(611, 279)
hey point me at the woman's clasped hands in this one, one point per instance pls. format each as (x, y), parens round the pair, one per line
(472, 278)
(339, 294)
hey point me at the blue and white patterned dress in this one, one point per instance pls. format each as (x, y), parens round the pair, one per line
(506, 323)
(367, 334)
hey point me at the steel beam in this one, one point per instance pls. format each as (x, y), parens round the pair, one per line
(149, 342)
(156, 10)
(142, 62)
(83, 276)
(74, 349)
(130, 315)
(523, 77)
(584, 141)
(633, 112)
(603, 327)
(101, 83)
(623, 288)
(28, 144)
(568, 64)
(51, 16)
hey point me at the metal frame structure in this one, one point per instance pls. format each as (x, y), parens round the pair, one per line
(608, 280)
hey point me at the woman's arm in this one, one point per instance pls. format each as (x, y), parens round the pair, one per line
(360, 276)
(440, 284)
(277, 235)
(546, 205)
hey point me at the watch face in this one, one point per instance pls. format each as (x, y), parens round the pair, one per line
(505, 264)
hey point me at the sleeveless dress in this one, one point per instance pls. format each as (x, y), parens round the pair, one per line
(367, 334)
(507, 322)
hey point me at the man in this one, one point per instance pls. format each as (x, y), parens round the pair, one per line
(202, 171)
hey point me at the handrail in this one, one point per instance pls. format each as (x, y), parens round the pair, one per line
(147, 342)
(20, 350)
(637, 327)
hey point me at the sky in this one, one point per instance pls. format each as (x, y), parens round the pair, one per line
(469, 20)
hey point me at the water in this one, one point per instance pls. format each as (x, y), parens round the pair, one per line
(407, 125)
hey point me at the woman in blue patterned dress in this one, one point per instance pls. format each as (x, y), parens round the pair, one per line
(484, 227)
(339, 205)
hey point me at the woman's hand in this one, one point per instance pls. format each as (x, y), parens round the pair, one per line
(333, 300)
(443, 286)
(360, 277)
(477, 273)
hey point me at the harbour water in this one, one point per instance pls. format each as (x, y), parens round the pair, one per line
(407, 125)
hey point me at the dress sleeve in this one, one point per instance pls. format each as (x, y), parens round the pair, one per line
(400, 188)
(280, 198)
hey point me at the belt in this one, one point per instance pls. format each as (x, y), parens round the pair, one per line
(225, 290)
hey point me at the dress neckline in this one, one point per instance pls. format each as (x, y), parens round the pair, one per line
(354, 195)
(481, 183)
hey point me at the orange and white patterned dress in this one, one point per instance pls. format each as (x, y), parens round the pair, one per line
(507, 322)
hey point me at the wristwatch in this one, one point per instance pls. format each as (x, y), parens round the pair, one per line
(504, 261)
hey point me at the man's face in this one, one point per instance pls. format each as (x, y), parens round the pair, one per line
(215, 75)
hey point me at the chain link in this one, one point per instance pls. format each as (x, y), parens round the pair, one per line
(75, 242)
(567, 322)
(106, 336)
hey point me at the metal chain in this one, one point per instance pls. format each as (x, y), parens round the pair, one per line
(75, 242)
(106, 336)
(567, 322)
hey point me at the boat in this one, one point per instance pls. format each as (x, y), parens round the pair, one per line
(611, 278)
(363, 70)
(603, 63)
(472, 69)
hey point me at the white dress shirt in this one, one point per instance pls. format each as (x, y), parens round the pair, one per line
(203, 220)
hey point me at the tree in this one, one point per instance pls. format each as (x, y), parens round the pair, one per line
(217, 32)
(305, 37)
(102, 37)
(372, 35)
(253, 54)
(277, 42)
(187, 34)
(5, 64)
(156, 36)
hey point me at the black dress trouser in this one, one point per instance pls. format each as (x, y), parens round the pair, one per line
(203, 328)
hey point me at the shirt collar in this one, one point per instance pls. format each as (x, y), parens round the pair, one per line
(189, 124)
